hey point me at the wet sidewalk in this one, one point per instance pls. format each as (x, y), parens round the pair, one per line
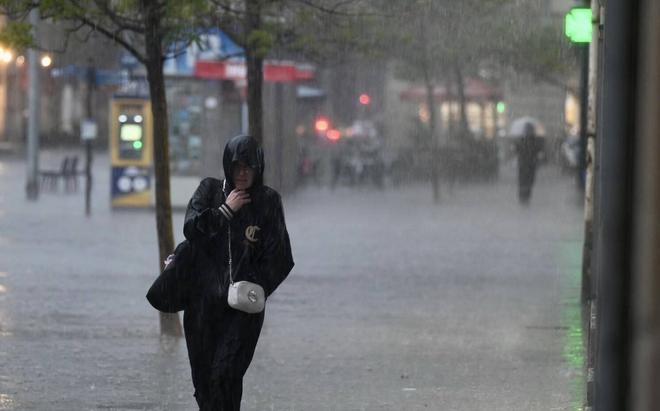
(394, 303)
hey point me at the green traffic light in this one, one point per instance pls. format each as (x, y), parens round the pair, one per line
(577, 25)
(137, 145)
(500, 107)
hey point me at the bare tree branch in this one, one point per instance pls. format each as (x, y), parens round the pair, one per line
(114, 36)
(335, 9)
(121, 21)
(20, 14)
(227, 8)
(67, 35)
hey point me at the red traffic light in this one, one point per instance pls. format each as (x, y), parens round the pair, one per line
(365, 99)
(322, 124)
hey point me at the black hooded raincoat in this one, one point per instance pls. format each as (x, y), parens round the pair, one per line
(528, 148)
(221, 341)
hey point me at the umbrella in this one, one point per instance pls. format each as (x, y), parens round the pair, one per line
(517, 128)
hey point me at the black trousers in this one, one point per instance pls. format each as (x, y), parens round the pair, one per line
(224, 395)
(526, 177)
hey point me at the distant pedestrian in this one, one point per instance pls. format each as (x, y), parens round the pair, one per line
(527, 148)
(242, 219)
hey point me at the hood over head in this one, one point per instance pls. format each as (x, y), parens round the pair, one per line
(247, 149)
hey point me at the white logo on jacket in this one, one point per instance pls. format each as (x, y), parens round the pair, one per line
(251, 232)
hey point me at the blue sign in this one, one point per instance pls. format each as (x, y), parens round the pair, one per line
(128, 61)
(213, 44)
(102, 76)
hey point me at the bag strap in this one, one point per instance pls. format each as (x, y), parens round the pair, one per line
(231, 278)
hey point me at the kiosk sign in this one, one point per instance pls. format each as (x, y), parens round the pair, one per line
(129, 180)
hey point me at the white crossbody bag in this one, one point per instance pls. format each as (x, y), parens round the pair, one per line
(244, 296)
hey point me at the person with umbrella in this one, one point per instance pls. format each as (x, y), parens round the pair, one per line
(527, 149)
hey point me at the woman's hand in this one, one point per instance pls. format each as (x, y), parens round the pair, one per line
(237, 199)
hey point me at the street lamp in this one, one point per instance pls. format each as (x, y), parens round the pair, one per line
(46, 61)
(6, 56)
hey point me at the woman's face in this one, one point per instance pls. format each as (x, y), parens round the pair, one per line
(243, 175)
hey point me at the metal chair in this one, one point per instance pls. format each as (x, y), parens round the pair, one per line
(50, 178)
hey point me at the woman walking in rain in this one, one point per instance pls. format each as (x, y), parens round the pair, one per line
(236, 227)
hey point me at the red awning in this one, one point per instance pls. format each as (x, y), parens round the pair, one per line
(475, 90)
(274, 71)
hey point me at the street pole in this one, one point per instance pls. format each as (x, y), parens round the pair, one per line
(91, 82)
(589, 285)
(584, 102)
(615, 185)
(32, 186)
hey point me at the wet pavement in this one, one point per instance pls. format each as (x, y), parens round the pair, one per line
(394, 303)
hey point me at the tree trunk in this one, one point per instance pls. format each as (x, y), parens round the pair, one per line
(451, 123)
(169, 323)
(254, 63)
(433, 141)
(460, 86)
(430, 104)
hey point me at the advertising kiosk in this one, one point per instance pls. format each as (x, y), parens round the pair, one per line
(131, 152)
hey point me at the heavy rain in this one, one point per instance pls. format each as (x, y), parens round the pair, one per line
(458, 205)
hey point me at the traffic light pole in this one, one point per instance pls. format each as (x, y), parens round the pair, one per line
(589, 284)
(584, 104)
